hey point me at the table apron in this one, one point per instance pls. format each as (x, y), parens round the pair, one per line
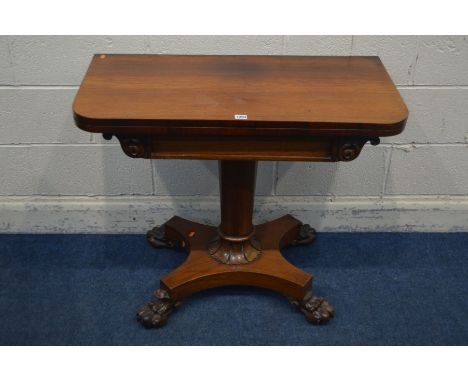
(316, 149)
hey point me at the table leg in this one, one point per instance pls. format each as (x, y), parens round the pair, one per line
(235, 253)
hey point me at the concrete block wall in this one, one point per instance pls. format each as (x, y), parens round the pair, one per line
(57, 178)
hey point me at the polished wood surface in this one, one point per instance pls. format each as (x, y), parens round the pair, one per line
(200, 271)
(238, 109)
(237, 189)
(252, 148)
(201, 95)
(235, 241)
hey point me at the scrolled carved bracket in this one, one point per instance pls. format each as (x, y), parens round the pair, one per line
(349, 149)
(136, 147)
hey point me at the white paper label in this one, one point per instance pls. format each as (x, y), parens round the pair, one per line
(240, 116)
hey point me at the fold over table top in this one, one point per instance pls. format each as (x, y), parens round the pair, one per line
(239, 95)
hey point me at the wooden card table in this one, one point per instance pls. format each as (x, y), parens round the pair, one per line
(238, 110)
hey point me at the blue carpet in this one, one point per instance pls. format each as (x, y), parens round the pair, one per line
(387, 289)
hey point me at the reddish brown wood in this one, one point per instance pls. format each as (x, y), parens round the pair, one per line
(270, 270)
(200, 271)
(188, 107)
(244, 148)
(237, 188)
(235, 241)
(293, 95)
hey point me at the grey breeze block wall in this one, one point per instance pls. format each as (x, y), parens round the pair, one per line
(57, 178)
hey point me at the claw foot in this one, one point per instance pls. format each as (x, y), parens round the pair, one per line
(316, 310)
(306, 235)
(154, 314)
(157, 238)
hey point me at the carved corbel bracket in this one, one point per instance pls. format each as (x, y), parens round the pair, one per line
(136, 147)
(349, 149)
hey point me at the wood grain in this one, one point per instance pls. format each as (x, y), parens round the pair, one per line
(187, 107)
(199, 271)
(163, 94)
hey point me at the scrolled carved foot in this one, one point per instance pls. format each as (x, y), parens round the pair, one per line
(157, 238)
(316, 310)
(306, 235)
(154, 314)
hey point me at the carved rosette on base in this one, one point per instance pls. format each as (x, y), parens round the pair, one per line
(154, 314)
(225, 259)
(234, 251)
(316, 310)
